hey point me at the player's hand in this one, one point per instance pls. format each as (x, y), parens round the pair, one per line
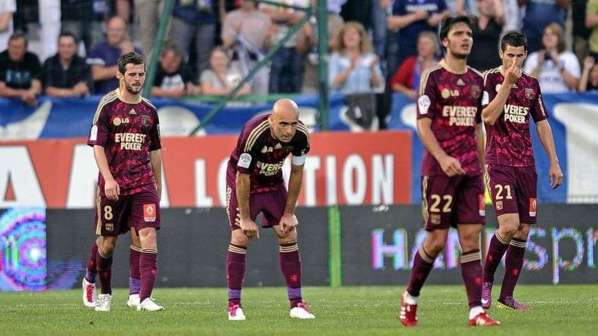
(288, 222)
(512, 75)
(588, 63)
(112, 189)
(556, 175)
(249, 228)
(451, 166)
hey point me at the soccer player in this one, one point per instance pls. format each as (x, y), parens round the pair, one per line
(449, 126)
(126, 142)
(254, 184)
(510, 99)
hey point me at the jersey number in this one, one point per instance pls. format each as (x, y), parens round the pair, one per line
(436, 200)
(108, 213)
(499, 191)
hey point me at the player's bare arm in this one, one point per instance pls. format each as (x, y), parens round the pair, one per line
(545, 135)
(480, 137)
(289, 220)
(156, 163)
(495, 108)
(248, 226)
(450, 166)
(111, 187)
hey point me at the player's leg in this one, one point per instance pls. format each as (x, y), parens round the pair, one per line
(290, 265)
(437, 219)
(88, 284)
(526, 180)
(235, 271)
(134, 269)
(470, 210)
(501, 183)
(513, 265)
(145, 217)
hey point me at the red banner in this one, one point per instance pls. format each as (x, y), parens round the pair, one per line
(342, 168)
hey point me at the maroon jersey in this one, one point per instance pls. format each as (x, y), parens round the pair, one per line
(128, 133)
(453, 102)
(509, 142)
(261, 155)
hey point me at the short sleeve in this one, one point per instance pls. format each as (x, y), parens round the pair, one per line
(572, 65)
(36, 67)
(100, 128)
(247, 145)
(427, 95)
(538, 110)
(531, 62)
(155, 142)
(489, 91)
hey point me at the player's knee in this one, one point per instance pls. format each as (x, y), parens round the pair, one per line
(434, 246)
(238, 238)
(523, 232)
(147, 238)
(106, 246)
(289, 237)
(509, 227)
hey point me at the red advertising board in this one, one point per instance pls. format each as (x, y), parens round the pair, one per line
(342, 168)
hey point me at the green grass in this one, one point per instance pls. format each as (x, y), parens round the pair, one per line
(556, 310)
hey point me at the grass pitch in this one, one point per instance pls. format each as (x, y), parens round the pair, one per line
(555, 310)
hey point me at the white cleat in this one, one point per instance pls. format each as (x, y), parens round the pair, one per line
(301, 311)
(89, 293)
(103, 303)
(149, 305)
(133, 301)
(235, 313)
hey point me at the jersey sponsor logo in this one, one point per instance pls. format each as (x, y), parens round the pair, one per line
(447, 93)
(269, 169)
(267, 149)
(460, 115)
(244, 160)
(515, 114)
(117, 121)
(532, 207)
(93, 136)
(424, 104)
(149, 212)
(130, 141)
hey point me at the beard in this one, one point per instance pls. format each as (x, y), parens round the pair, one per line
(133, 90)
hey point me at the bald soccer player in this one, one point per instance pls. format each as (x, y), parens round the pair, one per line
(254, 185)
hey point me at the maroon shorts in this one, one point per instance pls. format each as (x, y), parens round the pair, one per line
(449, 201)
(513, 190)
(139, 211)
(271, 204)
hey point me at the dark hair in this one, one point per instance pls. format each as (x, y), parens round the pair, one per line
(18, 35)
(171, 47)
(513, 39)
(68, 34)
(449, 22)
(129, 58)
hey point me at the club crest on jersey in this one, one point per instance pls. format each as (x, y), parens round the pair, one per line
(145, 121)
(475, 91)
(529, 93)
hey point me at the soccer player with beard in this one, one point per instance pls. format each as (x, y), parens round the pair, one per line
(254, 185)
(510, 98)
(449, 126)
(126, 141)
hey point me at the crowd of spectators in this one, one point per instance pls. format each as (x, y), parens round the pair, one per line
(210, 45)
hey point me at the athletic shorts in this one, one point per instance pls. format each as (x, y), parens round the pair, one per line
(139, 211)
(450, 201)
(513, 190)
(270, 203)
